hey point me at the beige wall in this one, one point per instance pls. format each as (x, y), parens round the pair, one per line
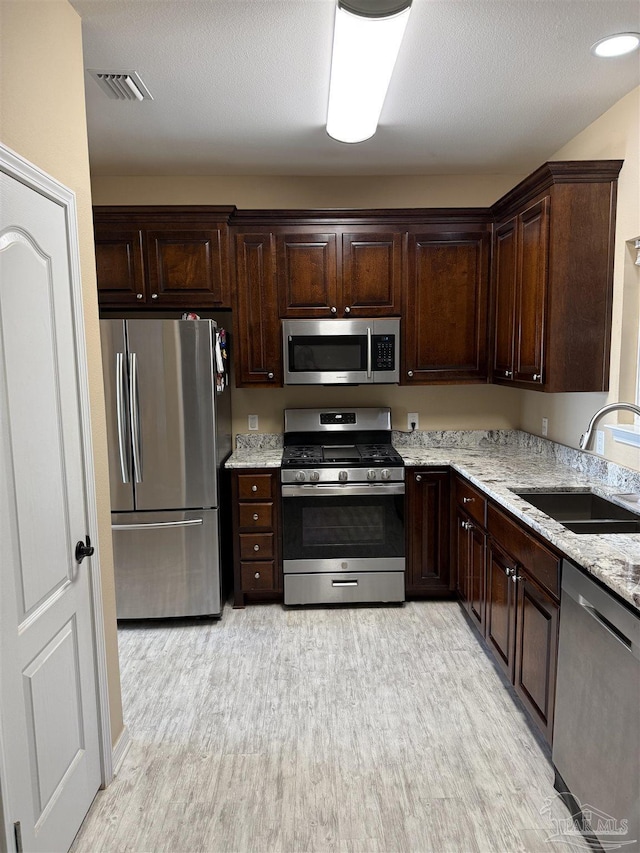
(43, 119)
(615, 135)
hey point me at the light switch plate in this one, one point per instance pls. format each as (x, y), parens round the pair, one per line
(253, 422)
(413, 418)
(545, 426)
(600, 441)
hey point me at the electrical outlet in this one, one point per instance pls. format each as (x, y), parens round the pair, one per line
(413, 420)
(545, 426)
(600, 441)
(253, 422)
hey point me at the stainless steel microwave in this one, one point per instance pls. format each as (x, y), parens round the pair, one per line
(341, 352)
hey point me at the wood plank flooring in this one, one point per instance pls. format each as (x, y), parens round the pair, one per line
(356, 730)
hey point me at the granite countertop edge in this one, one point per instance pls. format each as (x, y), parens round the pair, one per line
(496, 470)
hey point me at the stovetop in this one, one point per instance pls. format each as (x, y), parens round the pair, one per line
(336, 455)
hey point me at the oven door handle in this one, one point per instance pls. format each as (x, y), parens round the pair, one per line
(329, 490)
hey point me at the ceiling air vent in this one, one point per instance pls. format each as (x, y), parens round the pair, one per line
(121, 85)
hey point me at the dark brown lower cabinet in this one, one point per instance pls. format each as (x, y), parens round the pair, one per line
(501, 608)
(537, 619)
(470, 542)
(427, 525)
(257, 566)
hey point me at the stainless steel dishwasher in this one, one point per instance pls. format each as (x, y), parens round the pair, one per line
(596, 744)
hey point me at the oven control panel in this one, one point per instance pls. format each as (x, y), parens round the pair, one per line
(384, 352)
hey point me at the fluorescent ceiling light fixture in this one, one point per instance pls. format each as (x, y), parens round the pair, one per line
(616, 45)
(366, 41)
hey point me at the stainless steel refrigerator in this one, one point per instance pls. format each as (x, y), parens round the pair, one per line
(169, 432)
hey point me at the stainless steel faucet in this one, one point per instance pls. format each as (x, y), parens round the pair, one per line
(611, 407)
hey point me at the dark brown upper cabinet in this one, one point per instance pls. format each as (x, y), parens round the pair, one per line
(446, 306)
(162, 257)
(553, 278)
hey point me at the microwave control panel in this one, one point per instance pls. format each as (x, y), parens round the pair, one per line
(384, 352)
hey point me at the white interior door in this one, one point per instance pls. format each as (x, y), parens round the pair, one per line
(50, 745)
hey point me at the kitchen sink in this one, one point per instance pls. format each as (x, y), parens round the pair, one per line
(582, 512)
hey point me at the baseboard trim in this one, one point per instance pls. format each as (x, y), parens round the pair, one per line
(120, 749)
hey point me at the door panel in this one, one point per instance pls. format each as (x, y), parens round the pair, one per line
(119, 266)
(47, 665)
(505, 289)
(501, 608)
(166, 564)
(175, 398)
(532, 292)
(307, 274)
(372, 273)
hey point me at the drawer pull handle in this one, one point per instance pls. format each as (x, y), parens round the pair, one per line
(255, 516)
(344, 583)
(256, 547)
(257, 575)
(467, 500)
(254, 488)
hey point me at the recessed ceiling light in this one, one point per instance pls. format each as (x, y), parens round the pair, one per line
(616, 45)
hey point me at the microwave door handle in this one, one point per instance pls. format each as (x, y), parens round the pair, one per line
(369, 353)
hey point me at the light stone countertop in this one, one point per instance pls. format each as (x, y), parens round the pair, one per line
(502, 460)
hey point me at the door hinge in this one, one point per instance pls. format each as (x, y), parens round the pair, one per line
(17, 829)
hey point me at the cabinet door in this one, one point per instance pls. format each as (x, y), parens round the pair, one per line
(119, 267)
(258, 359)
(504, 282)
(536, 652)
(371, 274)
(463, 557)
(188, 268)
(477, 576)
(428, 533)
(445, 323)
(533, 256)
(307, 275)
(501, 612)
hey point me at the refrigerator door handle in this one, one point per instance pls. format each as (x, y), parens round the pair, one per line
(156, 524)
(134, 409)
(125, 473)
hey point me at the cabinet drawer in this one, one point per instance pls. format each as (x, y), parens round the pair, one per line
(254, 516)
(255, 486)
(540, 563)
(473, 502)
(256, 546)
(258, 575)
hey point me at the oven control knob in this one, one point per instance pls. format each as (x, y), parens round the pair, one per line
(371, 474)
(342, 476)
(300, 476)
(385, 474)
(314, 476)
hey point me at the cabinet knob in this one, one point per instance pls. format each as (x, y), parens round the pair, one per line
(508, 572)
(515, 577)
(255, 516)
(537, 376)
(508, 373)
(257, 575)
(409, 372)
(347, 310)
(334, 310)
(254, 488)
(154, 295)
(418, 478)
(256, 547)
(467, 525)
(138, 296)
(270, 375)
(467, 500)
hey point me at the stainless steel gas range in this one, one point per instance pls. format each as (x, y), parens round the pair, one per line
(342, 507)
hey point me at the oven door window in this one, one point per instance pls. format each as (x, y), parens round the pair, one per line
(327, 353)
(346, 526)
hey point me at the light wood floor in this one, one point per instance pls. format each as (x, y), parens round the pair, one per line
(361, 730)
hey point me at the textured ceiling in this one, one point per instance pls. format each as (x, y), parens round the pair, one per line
(240, 86)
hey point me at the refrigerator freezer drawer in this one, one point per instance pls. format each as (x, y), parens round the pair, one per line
(341, 588)
(166, 564)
